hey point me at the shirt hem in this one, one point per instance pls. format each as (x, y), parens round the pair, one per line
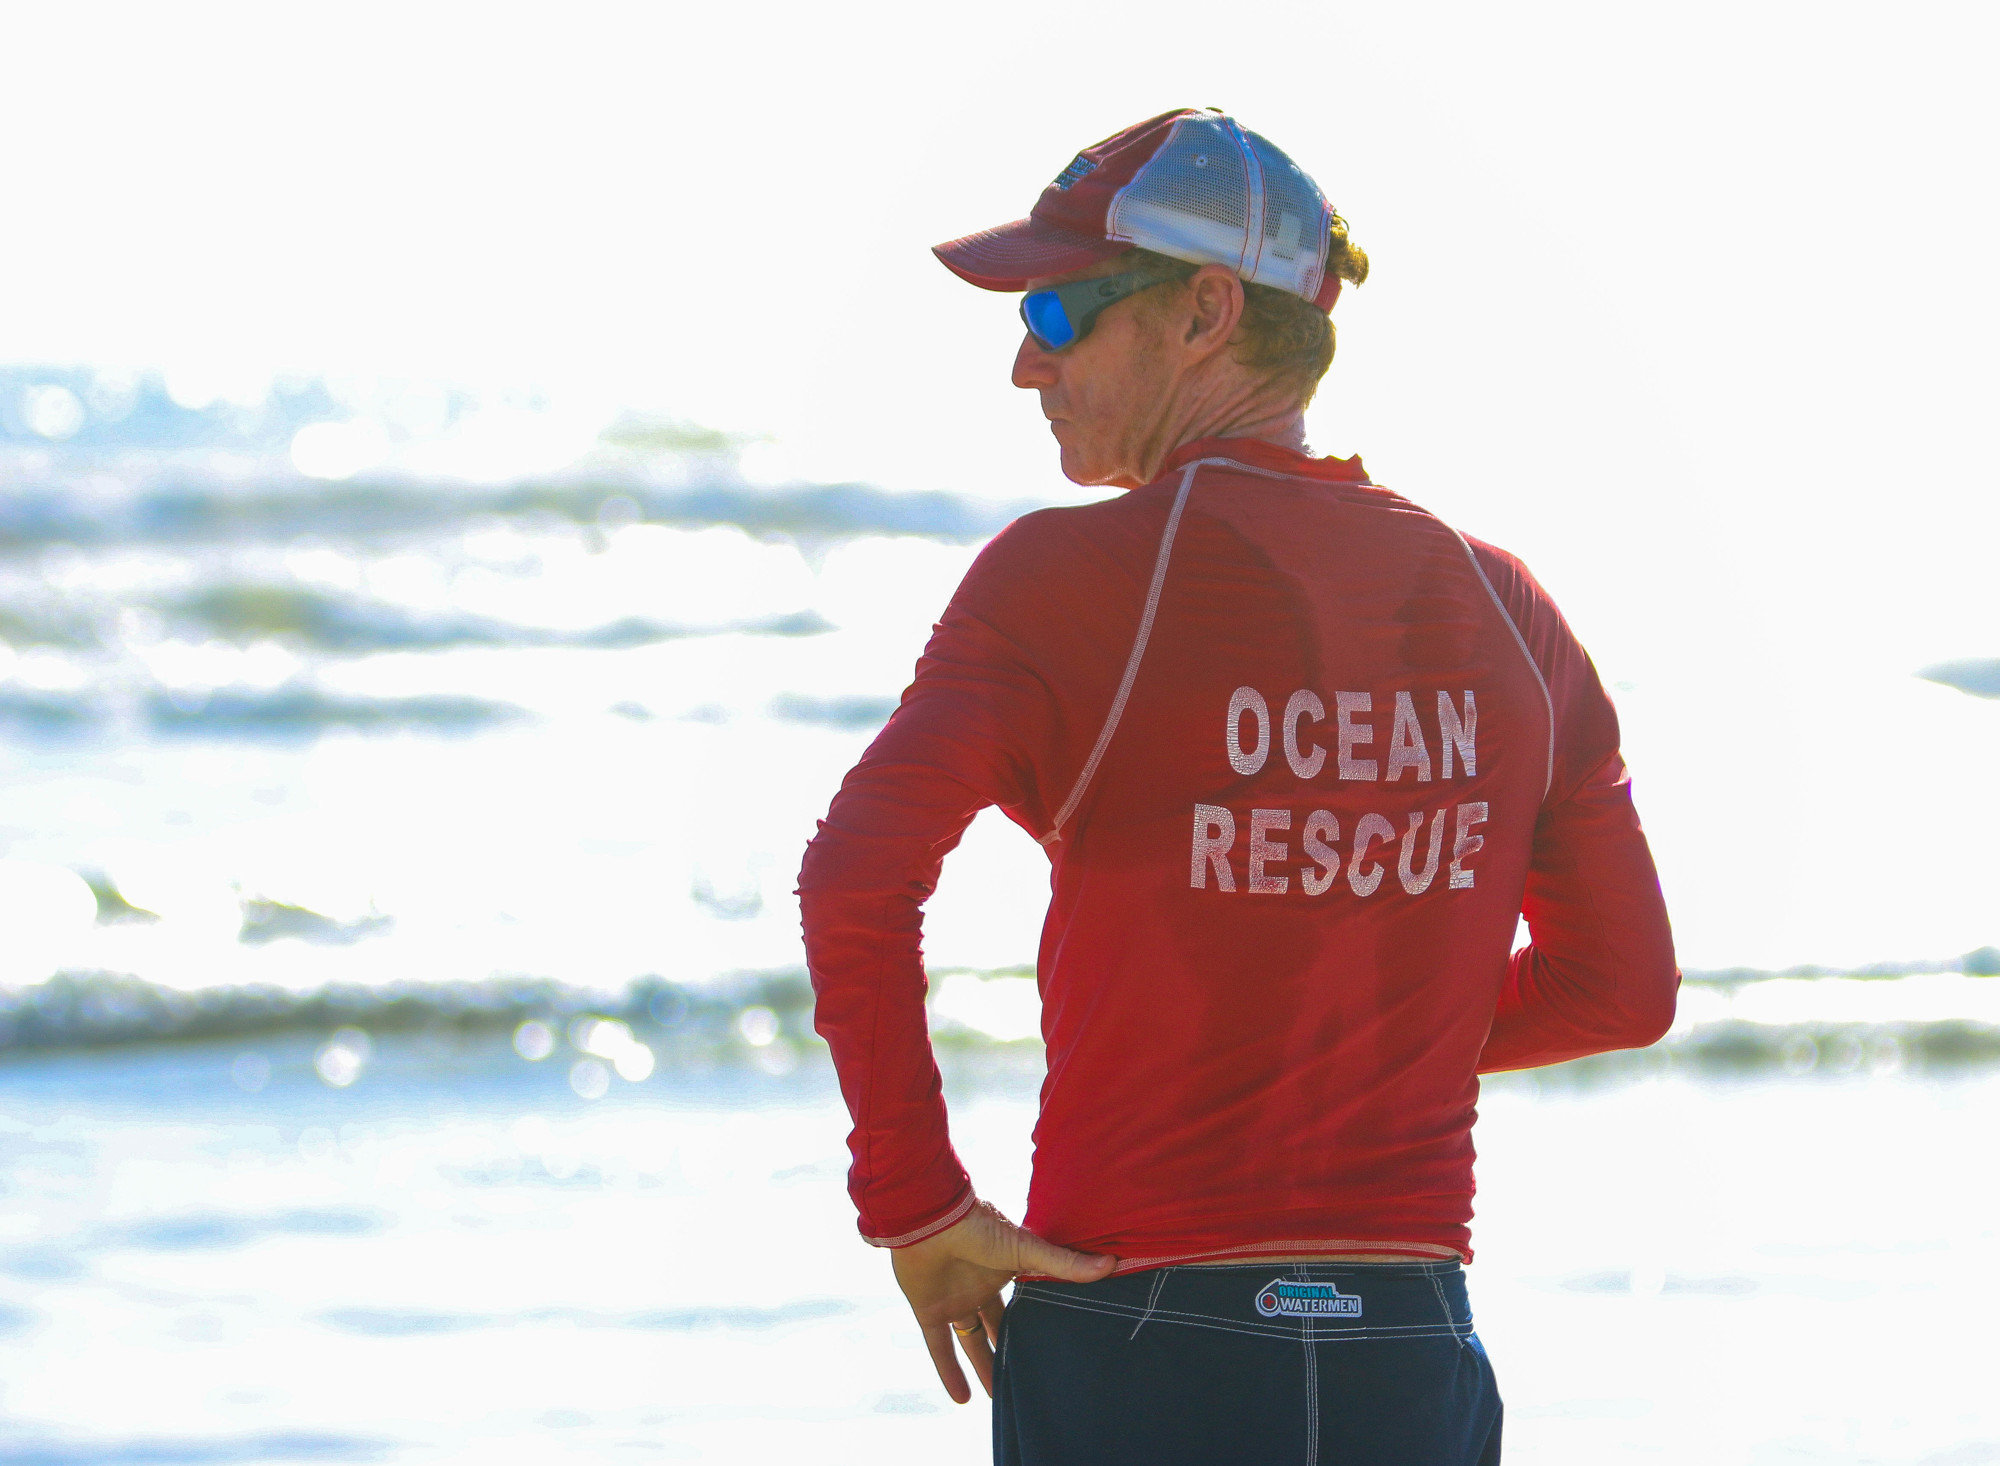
(1347, 1247)
(930, 1229)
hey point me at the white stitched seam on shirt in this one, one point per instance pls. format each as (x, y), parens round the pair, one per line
(1392, 1249)
(1549, 779)
(1132, 662)
(921, 1233)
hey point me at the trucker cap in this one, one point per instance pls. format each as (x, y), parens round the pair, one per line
(1193, 184)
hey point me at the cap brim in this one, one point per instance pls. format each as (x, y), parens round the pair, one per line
(1009, 256)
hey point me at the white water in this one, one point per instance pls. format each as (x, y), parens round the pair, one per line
(457, 1257)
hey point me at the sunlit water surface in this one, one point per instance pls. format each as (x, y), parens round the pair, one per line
(456, 743)
(458, 1258)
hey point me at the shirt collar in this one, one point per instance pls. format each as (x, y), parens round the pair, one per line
(1272, 456)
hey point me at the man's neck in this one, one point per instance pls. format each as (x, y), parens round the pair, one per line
(1285, 427)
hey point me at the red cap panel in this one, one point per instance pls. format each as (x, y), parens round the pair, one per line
(1065, 230)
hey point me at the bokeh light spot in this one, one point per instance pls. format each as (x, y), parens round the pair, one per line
(534, 1040)
(759, 1026)
(52, 412)
(341, 1058)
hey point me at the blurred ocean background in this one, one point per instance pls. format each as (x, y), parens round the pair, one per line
(405, 1052)
(444, 573)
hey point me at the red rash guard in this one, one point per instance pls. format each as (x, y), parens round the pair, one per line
(1299, 754)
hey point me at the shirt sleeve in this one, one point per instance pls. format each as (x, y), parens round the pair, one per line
(965, 736)
(1598, 972)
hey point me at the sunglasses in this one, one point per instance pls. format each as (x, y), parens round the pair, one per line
(1063, 315)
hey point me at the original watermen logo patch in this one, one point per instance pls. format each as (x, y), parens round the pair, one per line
(1307, 1299)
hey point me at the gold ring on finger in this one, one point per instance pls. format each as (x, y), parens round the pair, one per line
(965, 1333)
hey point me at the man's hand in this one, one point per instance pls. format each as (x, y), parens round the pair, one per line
(953, 1282)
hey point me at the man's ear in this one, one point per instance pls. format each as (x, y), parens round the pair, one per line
(1214, 306)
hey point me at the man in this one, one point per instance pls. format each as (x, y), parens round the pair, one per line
(1300, 755)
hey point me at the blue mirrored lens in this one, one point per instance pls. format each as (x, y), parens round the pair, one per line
(1044, 313)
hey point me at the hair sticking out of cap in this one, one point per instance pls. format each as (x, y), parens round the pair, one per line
(1287, 338)
(1343, 260)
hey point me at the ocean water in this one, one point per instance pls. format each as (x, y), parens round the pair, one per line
(577, 728)
(509, 690)
(405, 1054)
(456, 1256)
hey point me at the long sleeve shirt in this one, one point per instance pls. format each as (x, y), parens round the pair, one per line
(1299, 755)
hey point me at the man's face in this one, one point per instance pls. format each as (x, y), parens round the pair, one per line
(1106, 396)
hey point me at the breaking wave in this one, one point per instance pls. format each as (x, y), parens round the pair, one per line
(100, 1009)
(362, 513)
(833, 712)
(352, 624)
(170, 572)
(282, 714)
(744, 1015)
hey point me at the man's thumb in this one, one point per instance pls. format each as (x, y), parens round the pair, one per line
(1052, 1261)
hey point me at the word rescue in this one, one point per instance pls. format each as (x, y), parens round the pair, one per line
(1406, 756)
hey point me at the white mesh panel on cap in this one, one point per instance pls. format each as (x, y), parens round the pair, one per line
(1296, 218)
(1191, 200)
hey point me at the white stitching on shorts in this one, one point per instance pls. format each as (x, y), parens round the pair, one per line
(1443, 1302)
(1312, 1384)
(1202, 1321)
(1159, 1282)
(1179, 1315)
(1269, 1331)
(1312, 1400)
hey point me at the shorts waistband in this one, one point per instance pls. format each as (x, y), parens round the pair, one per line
(1317, 1300)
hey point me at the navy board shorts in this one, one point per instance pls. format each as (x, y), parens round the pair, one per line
(1318, 1364)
